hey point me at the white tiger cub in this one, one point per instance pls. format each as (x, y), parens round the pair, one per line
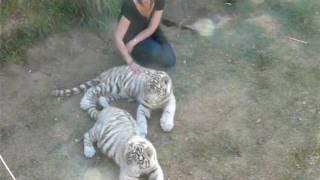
(115, 133)
(152, 89)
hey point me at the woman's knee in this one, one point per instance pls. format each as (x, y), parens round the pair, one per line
(168, 57)
(152, 51)
(147, 51)
(168, 61)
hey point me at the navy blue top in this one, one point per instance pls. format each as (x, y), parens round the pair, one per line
(137, 22)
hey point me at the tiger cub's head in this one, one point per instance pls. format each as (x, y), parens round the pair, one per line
(157, 88)
(140, 154)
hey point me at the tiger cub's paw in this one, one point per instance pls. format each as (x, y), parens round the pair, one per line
(166, 125)
(89, 151)
(103, 101)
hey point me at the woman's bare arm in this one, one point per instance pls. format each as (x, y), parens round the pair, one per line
(154, 24)
(119, 34)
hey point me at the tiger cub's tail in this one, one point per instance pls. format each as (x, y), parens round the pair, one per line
(75, 90)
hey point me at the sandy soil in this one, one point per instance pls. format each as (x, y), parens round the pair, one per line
(235, 120)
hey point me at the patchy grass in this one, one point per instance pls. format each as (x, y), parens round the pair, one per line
(297, 15)
(43, 18)
(307, 156)
(245, 42)
(248, 97)
(255, 80)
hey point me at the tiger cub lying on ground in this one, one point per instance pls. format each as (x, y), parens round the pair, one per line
(116, 135)
(152, 89)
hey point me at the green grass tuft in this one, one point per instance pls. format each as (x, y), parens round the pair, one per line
(45, 17)
(297, 16)
(246, 42)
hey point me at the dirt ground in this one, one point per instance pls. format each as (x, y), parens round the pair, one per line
(255, 119)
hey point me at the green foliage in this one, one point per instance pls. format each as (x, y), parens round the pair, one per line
(44, 17)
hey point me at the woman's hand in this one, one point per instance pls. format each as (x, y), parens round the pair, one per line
(135, 67)
(130, 45)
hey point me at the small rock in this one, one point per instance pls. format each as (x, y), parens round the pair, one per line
(258, 120)
(76, 140)
(184, 62)
(56, 119)
(304, 102)
(261, 141)
(30, 71)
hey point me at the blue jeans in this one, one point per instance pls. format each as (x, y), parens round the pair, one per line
(154, 50)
